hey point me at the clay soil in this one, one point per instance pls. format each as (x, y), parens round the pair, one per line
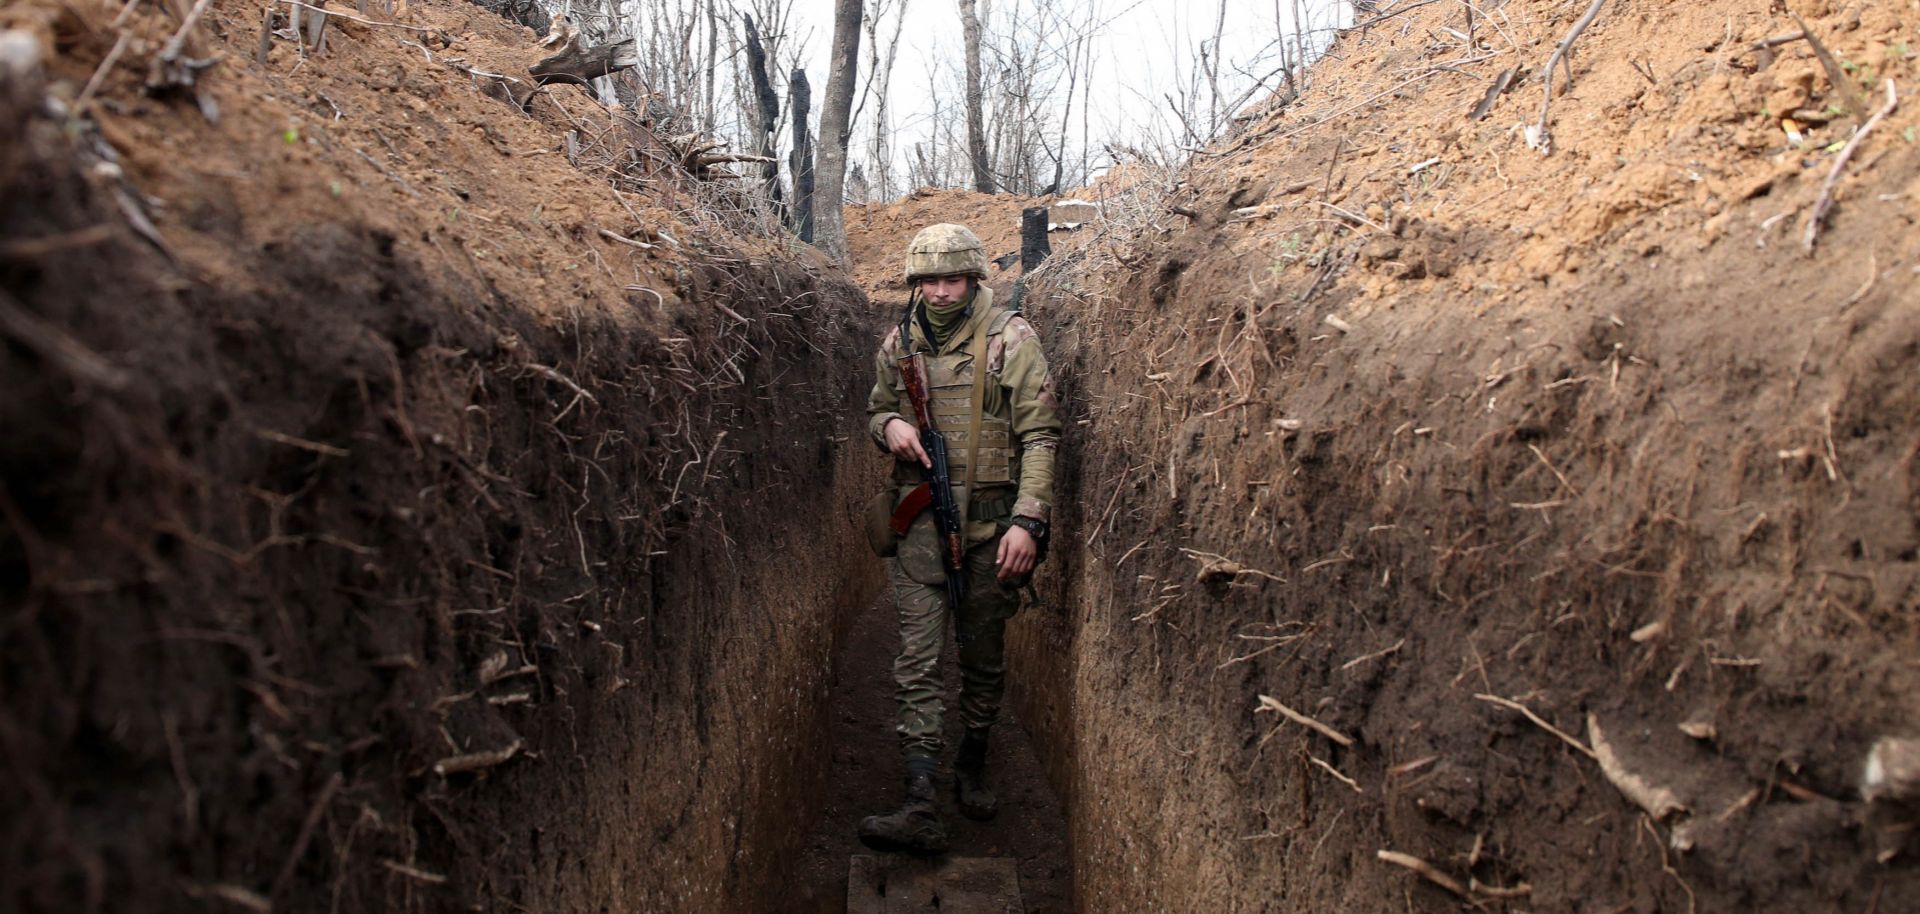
(1410, 421)
(377, 533)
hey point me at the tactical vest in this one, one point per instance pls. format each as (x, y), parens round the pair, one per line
(950, 379)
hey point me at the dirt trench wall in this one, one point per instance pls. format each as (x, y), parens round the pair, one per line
(337, 579)
(1636, 472)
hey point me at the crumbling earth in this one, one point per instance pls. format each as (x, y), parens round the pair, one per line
(1457, 524)
(389, 502)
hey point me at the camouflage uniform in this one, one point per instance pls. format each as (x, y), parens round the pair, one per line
(1020, 427)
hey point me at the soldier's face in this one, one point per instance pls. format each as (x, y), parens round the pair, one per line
(944, 290)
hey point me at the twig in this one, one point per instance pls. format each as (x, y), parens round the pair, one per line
(1426, 870)
(267, 434)
(34, 248)
(1269, 703)
(1825, 201)
(1336, 773)
(171, 50)
(414, 873)
(555, 375)
(1537, 136)
(474, 761)
(126, 13)
(1777, 40)
(54, 345)
(177, 754)
(100, 73)
(1376, 655)
(616, 236)
(1556, 731)
(1212, 564)
(240, 896)
(305, 834)
(1551, 469)
(1340, 145)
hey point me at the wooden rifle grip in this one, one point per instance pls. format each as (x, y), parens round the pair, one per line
(913, 375)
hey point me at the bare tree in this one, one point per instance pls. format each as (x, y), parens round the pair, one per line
(836, 129)
(764, 115)
(879, 82)
(976, 129)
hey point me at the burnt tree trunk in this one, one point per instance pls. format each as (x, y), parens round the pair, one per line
(1034, 246)
(765, 112)
(800, 164)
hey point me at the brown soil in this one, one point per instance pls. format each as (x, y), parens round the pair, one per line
(1589, 432)
(867, 777)
(380, 535)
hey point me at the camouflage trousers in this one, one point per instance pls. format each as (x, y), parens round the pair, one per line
(980, 635)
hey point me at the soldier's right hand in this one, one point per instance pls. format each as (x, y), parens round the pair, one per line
(904, 441)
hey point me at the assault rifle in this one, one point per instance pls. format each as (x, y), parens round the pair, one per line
(948, 520)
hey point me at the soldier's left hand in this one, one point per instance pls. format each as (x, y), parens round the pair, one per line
(1017, 552)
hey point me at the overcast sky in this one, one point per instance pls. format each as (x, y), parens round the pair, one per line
(1144, 50)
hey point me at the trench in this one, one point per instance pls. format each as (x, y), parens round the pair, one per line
(1029, 828)
(352, 559)
(365, 583)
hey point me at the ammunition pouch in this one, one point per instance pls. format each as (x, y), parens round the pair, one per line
(880, 535)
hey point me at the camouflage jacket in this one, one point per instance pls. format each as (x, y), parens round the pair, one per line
(1021, 412)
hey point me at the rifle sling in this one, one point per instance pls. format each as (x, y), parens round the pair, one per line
(978, 405)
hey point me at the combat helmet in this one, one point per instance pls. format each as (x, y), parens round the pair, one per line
(946, 249)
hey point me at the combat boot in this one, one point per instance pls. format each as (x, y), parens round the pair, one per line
(914, 828)
(975, 798)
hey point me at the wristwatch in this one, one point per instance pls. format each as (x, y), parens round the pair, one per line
(1038, 530)
(1032, 525)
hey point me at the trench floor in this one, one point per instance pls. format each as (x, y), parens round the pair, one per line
(866, 779)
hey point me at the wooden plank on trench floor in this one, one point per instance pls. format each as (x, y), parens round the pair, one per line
(948, 885)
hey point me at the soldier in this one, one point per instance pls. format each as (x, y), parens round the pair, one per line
(1003, 482)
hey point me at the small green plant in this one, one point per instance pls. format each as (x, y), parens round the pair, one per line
(335, 187)
(1290, 248)
(1908, 134)
(291, 135)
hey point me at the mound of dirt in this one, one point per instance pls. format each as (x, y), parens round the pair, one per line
(877, 236)
(1413, 427)
(395, 515)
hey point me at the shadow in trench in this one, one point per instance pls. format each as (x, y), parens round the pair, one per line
(867, 778)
